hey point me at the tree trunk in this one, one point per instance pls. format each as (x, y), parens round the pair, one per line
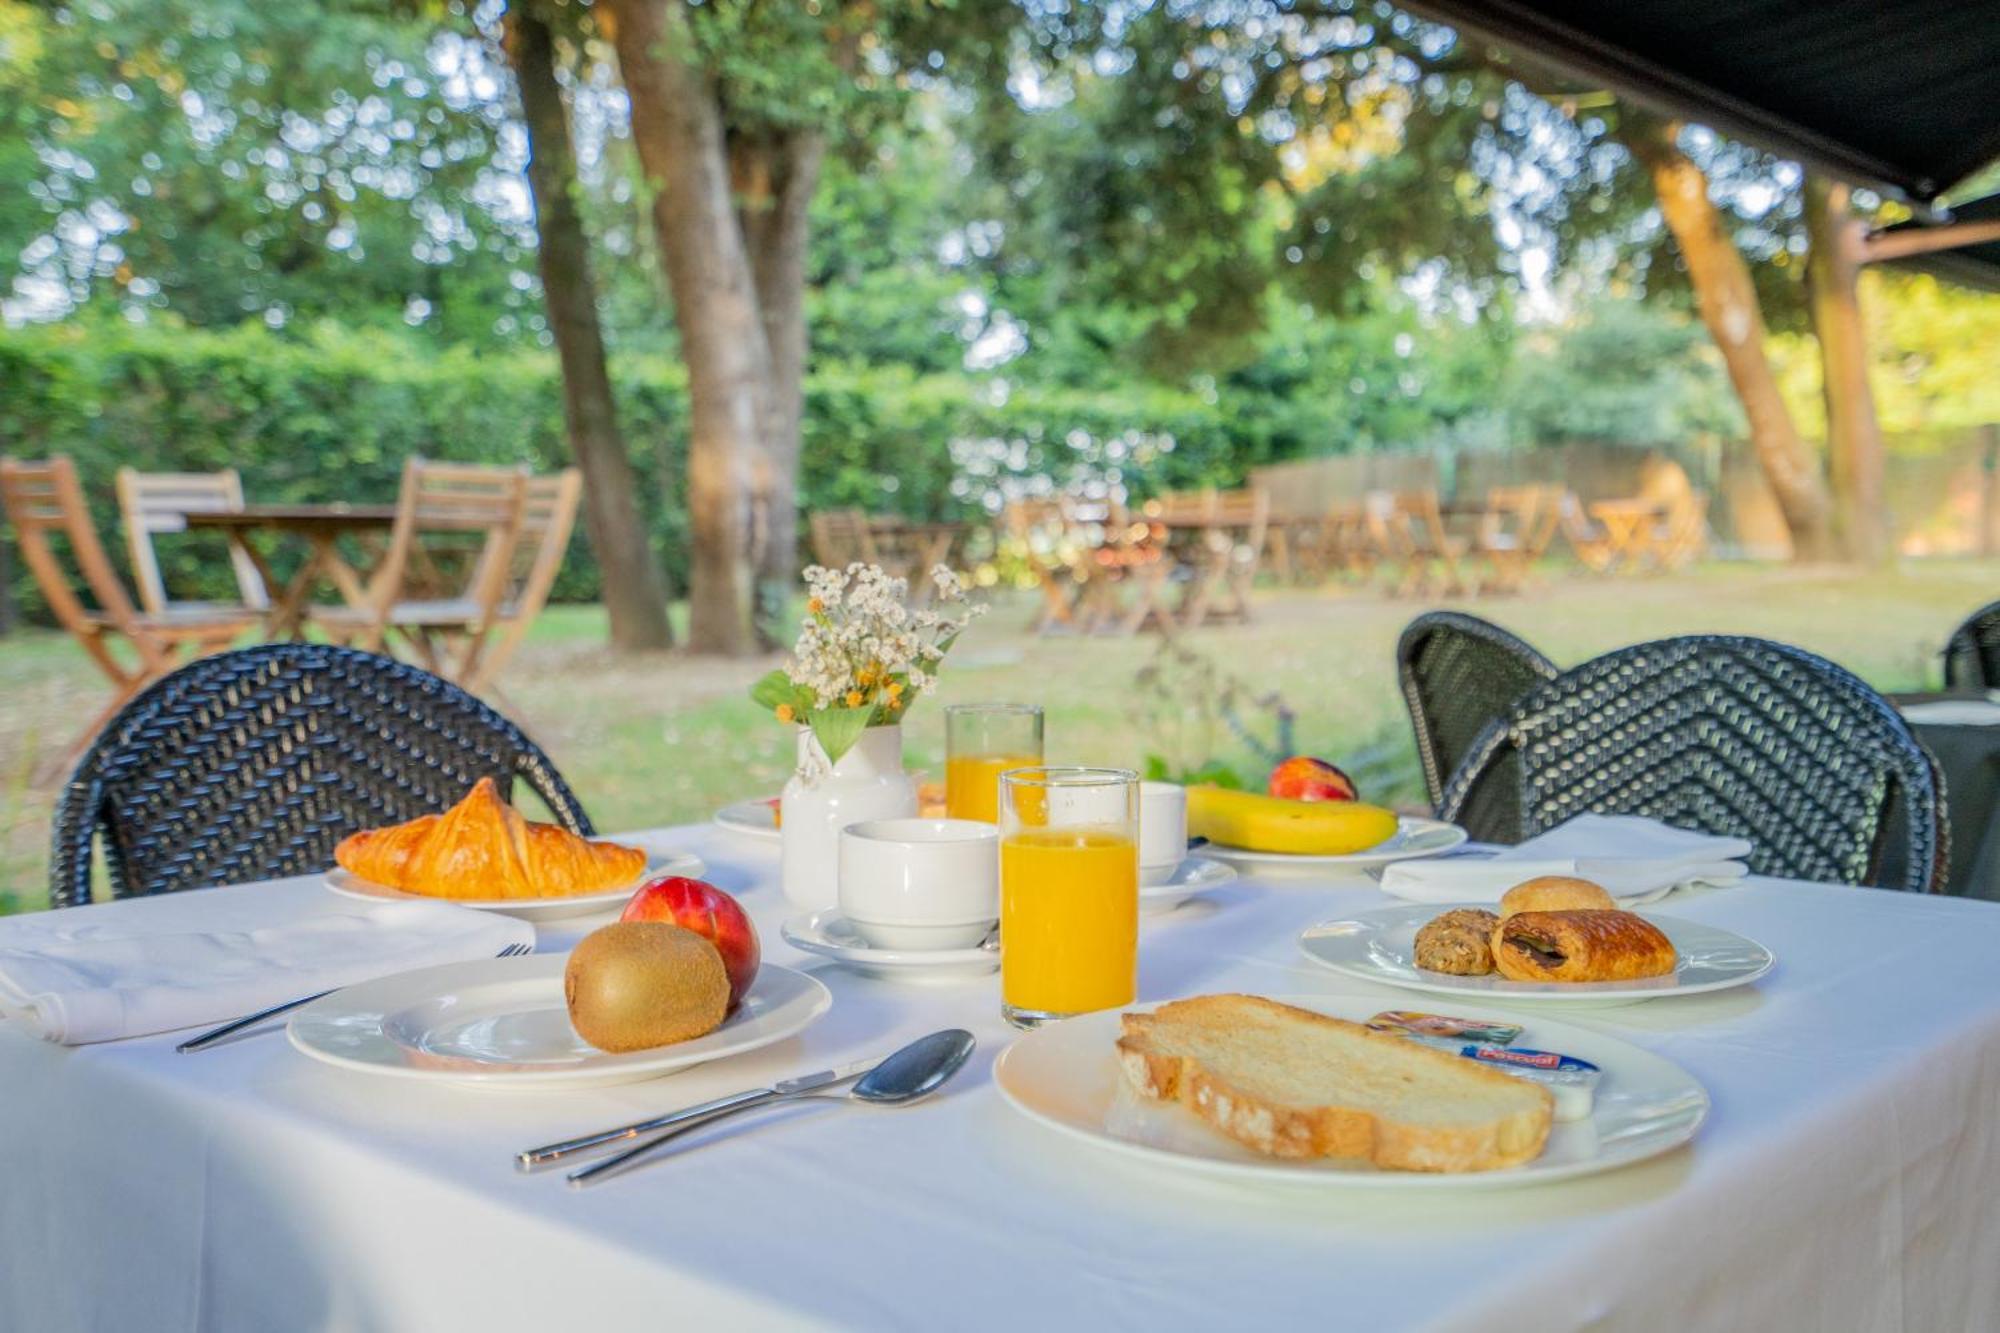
(1728, 303)
(774, 175)
(635, 590)
(1853, 432)
(677, 128)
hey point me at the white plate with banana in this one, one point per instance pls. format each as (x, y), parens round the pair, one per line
(1415, 836)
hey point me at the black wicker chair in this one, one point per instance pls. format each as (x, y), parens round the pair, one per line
(1458, 673)
(253, 764)
(1972, 653)
(1732, 736)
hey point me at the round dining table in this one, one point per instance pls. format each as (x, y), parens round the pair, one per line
(1844, 1176)
(259, 528)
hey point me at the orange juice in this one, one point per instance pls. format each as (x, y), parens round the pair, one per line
(1069, 920)
(972, 783)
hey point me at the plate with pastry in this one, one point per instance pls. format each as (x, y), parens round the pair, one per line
(634, 1000)
(1314, 1091)
(484, 854)
(753, 819)
(1552, 939)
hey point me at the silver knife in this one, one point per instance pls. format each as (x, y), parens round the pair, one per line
(534, 1159)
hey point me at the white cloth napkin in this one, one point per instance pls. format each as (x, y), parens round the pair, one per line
(142, 965)
(1954, 713)
(1637, 860)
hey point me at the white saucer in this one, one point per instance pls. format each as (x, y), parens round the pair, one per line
(752, 819)
(1415, 837)
(502, 1022)
(528, 909)
(830, 935)
(1380, 945)
(1196, 874)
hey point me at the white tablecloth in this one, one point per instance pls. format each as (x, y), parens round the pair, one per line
(1847, 1177)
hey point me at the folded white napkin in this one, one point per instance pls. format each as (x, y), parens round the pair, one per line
(141, 965)
(1636, 859)
(1954, 713)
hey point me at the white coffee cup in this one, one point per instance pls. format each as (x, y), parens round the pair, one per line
(920, 883)
(1162, 830)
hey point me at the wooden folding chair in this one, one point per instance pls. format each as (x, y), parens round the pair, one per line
(1586, 537)
(1415, 534)
(1514, 532)
(152, 503)
(1044, 537)
(548, 516)
(1225, 559)
(841, 537)
(44, 500)
(1681, 536)
(446, 633)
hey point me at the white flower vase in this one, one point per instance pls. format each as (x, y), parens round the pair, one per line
(822, 799)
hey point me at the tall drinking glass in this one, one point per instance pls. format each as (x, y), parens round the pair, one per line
(982, 741)
(1069, 892)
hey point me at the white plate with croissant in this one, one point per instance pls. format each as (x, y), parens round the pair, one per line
(483, 854)
(1683, 957)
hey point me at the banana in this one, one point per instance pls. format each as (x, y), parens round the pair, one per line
(1269, 824)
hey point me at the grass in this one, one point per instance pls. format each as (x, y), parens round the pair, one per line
(666, 738)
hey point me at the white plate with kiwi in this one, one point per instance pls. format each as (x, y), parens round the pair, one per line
(503, 1023)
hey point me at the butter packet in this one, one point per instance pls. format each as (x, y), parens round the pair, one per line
(1570, 1081)
(1442, 1031)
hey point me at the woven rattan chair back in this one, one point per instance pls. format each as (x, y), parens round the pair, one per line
(1972, 653)
(1459, 673)
(152, 503)
(252, 764)
(1732, 736)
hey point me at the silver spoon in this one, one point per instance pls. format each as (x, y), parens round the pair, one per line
(913, 1073)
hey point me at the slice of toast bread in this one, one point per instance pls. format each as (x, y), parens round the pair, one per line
(1291, 1083)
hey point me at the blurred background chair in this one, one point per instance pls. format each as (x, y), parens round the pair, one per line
(155, 503)
(45, 504)
(548, 516)
(252, 764)
(415, 597)
(1733, 736)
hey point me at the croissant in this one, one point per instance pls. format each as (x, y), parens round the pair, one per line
(1580, 946)
(483, 848)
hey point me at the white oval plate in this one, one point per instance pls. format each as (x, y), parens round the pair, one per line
(501, 1022)
(1380, 945)
(753, 819)
(830, 935)
(1415, 837)
(527, 909)
(1067, 1076)
(1196, 874)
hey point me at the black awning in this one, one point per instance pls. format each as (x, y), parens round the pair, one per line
(1902, 94)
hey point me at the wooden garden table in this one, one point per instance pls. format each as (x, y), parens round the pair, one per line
(1627, 527)
(254, 528)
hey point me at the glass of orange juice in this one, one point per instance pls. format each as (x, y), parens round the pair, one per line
(1069, 892)
(982, 741)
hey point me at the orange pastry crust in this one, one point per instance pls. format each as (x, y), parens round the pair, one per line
(1580, 946)
(484, 848)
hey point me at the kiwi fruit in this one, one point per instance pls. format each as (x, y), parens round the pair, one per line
(634, 985)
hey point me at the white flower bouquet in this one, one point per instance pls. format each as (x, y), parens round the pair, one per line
(863, 655)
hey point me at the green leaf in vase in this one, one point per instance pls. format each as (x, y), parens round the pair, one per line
(837, 729)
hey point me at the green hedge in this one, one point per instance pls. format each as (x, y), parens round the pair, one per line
(333, 414)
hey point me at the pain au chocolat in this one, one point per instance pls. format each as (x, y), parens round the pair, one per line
(1580, 946)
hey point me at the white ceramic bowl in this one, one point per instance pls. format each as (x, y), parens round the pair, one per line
(1162, 830)
(920, 883)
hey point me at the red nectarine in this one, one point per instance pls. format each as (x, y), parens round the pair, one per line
(1304, 778)
(708, 911)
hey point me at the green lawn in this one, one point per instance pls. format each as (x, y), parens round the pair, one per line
(664, 739)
